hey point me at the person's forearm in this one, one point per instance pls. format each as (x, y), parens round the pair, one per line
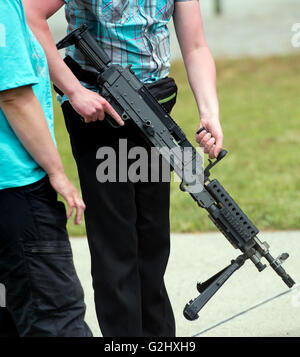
(87, 103)
(201, 73)
(26, 117)
(60, 74)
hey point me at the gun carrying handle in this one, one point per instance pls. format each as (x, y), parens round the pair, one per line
(222, 153)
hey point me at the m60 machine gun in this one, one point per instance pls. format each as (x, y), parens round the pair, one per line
(133, 102)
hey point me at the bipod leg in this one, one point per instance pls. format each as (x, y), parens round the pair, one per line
(210, 287)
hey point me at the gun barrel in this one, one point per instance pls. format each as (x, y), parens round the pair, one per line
(275, 264)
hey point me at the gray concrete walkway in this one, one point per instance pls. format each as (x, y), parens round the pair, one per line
(195, 257)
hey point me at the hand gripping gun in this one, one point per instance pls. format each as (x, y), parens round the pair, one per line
(132, 101)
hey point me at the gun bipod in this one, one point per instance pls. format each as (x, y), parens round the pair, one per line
(209, 288)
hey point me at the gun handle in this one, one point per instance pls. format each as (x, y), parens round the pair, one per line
(222, 153)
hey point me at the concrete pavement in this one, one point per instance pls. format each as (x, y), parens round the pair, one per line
(247, 305)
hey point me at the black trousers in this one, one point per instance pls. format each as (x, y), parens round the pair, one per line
(44, 297)
(128, 233)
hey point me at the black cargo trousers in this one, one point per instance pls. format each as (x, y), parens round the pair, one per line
(128, 230)
(40, 287)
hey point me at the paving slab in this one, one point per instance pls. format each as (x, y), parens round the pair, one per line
(250, 304)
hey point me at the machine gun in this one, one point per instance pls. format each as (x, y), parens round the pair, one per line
(133, 102)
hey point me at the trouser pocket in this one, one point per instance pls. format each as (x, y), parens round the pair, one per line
(43, 294)
(53, 278)
(57, 295)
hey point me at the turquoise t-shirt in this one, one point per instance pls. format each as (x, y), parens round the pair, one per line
(22, 62)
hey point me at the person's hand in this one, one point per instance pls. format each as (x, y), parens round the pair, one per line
(65, 188)
(91, 106)
(210, 139)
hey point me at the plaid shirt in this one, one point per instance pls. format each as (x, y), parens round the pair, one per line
(130, 31)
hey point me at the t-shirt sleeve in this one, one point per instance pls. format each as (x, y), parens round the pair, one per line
(16, 68)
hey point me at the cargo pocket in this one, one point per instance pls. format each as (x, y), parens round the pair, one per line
(55, 288)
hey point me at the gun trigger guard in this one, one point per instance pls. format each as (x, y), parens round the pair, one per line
(112, 122)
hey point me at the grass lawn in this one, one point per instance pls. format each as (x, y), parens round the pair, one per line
(260, 114)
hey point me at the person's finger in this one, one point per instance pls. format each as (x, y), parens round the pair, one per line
(100, 114)
(71, 206)
(80, 207)
(96, 113)
(91, 118)
(211, 152)
(218, 146)
(209, 145)
(200, 136)
(205, 139)
(110, 110)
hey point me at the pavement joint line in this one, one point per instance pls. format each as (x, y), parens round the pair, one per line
(295, 287)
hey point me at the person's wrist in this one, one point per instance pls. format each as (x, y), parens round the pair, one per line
(74, 90)
(56, 172)
(209, 115)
